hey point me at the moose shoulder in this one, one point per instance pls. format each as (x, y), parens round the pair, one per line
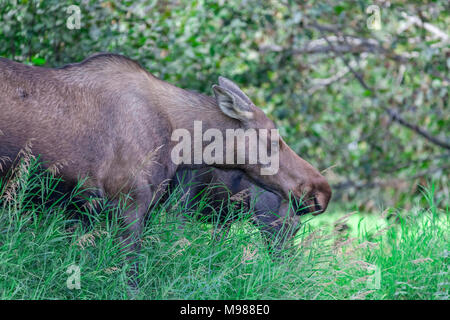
(109, 121)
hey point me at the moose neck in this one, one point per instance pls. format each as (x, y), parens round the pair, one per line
(195, 113)
(186, 107)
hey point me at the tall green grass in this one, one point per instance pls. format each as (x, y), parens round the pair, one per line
(338, 255)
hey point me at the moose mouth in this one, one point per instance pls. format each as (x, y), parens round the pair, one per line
(306, 206)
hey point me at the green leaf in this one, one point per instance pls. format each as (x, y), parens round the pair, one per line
(367, 93)
(339, 9)
(38, 61)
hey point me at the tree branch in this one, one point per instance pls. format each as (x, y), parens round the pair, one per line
(393, 114)
(438, 33)
(342, 44)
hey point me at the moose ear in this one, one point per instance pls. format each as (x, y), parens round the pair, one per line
(231, 104)
(233, 87)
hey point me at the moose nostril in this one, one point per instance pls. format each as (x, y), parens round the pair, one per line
(317, 205)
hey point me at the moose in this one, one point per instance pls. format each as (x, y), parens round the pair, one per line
(108, 121)
(224, 189)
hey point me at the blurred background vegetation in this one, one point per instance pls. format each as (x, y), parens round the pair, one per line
(358, 88)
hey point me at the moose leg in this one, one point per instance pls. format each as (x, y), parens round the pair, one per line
(133, 221)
